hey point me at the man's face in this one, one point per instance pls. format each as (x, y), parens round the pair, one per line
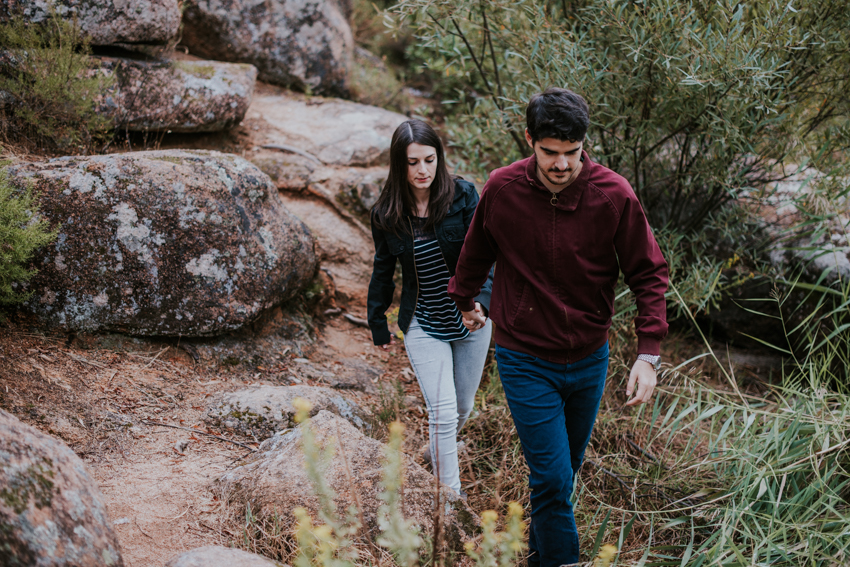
(558, 162)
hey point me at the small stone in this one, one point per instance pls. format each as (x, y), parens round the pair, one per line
(260, 411)
(218, 556)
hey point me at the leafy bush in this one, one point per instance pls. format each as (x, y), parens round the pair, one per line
(22, 232)
(48, 87)
(696, 103)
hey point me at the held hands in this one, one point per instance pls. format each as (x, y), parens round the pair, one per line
(474, 320)
(642, 374)
(389, 344)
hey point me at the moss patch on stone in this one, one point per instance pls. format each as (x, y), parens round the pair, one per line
(35, 483)
(202, 71)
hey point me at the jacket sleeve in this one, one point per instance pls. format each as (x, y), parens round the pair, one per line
(473, 277)
(483, 296)
(381, 287)
(645, 272)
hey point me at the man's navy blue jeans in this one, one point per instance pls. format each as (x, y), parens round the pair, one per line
(554, 408)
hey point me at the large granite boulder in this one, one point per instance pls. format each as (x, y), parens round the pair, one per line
(51, 511)
(218, 556)
(331, 132)
(131, 24)
(262, 411)
(302, 44)
(175, 96)
(274, 481)
(171, 243)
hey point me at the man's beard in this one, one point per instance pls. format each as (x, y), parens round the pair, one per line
(556, 183)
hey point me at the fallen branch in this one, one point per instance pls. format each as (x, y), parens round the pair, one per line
(638, 448)
(146, 422)
(154, 358)
(136, 521)
(86, 360)
(609, 473)
(357, 320)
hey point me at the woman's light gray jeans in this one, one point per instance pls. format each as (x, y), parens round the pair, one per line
(449, 374)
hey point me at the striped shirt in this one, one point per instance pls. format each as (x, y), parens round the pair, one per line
(436, 313)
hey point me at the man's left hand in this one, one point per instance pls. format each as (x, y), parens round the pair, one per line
(643, 376)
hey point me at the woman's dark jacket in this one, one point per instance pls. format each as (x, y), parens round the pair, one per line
(391, 247)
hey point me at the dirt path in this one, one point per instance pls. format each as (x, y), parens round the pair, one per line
(158, 481)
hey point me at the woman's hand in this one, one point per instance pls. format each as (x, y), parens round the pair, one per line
(474, 320)
(389, 344)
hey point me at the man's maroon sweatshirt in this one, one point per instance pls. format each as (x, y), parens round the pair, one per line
(556, 265)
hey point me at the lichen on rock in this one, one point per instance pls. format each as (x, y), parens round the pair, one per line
(51, 511)
(189, 243)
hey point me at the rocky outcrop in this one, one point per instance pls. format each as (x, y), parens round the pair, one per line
(51, 511)
(175, 96)
(131, 24)
(329, 131)
(264, 410)
(274, 481)
(218, 556)
(302, 44)
(188, 243)
(329, 158)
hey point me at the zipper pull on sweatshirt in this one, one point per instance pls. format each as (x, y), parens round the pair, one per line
(554, 199)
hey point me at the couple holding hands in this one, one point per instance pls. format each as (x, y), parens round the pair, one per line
(559, 229)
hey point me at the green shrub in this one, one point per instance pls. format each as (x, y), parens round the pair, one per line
(48, 87)
(22, 232)
(696, 103)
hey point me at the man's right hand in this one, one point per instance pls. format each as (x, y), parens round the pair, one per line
(474, 320)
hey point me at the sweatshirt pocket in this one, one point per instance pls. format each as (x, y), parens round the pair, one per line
(520, 304)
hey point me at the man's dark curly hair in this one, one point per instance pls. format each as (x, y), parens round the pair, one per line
(557, 113)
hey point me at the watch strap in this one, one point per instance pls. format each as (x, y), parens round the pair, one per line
(654, 360)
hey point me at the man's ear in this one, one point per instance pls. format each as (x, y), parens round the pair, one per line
(528, 139)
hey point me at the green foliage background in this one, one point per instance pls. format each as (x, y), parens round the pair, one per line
(696, 103)
(48, 88)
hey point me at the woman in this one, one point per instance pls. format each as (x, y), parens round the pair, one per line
(421, 218)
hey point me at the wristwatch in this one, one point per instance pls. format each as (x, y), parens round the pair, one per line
(654, 360)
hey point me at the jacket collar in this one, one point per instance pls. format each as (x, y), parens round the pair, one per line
(459, 200)
(568, 198)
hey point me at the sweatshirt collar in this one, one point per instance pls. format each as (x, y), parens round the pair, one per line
(570, 196)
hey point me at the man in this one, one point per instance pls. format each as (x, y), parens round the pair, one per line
(560, 229)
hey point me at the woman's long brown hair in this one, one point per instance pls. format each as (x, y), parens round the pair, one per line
(396, 199)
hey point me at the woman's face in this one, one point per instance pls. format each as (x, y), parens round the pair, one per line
(421, 165)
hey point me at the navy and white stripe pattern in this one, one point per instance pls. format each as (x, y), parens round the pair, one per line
(436, 312)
